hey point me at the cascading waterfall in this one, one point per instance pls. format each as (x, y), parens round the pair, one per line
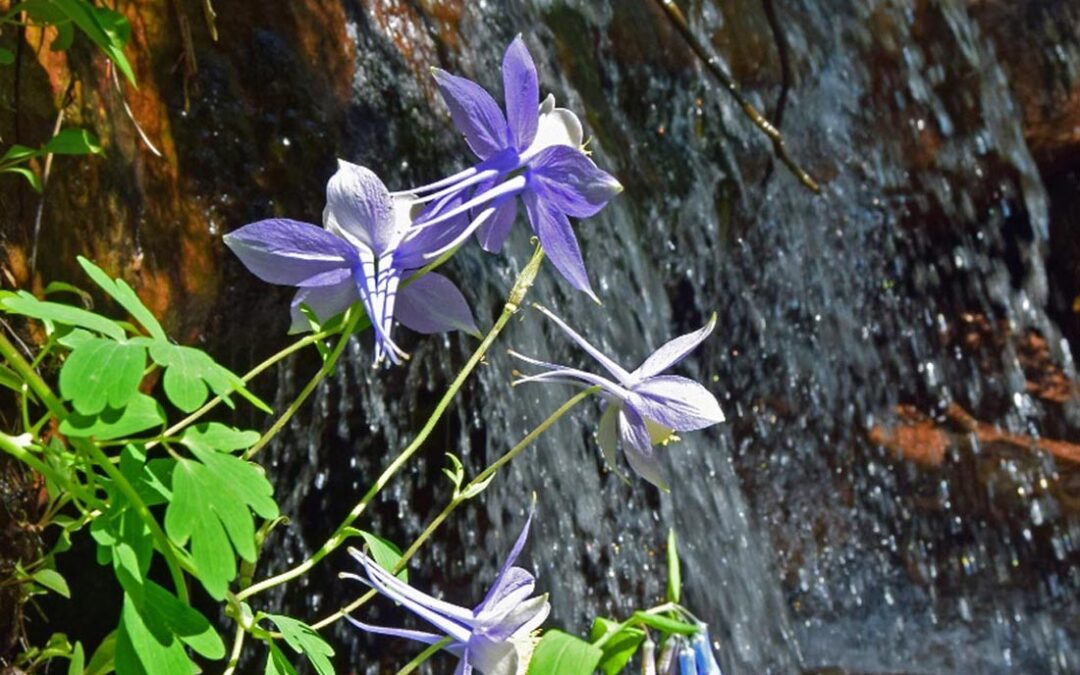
(805, 545)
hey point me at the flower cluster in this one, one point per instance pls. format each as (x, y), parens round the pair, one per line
(373, 241)
(377, 247)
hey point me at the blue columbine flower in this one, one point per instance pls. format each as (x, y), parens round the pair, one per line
(369, 244)
(531, 152)
(494, 638)
(643, 407)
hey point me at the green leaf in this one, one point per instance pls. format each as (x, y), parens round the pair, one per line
(385, 553)
(126, 297)
(620, 648)
(142, 650)
(27, 305)
(6, 57)
(559, 653)
(216, 436)
(73, 142)
(52, 580)
(18, 152)
(65, 36)
(212, 496)
(141, 413)
(107, 29)
(101, 373)
(187, 623)
(665, 624)
(26, 173)
(78, 660)
(305, 640)
(102, 661)
(277, 663)
(190, 371)
(674, 573)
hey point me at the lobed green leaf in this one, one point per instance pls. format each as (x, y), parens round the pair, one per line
(304, 639)
(277, 663)
(141, 413)
(213, 496)
(125, 296)
(101, 373)
(386, 554)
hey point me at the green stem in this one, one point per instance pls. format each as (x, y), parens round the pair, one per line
(237, 648)
(424, 656)
(56, 407)
(251, 374)
(458, 499)
(517, 295)
(327, 367)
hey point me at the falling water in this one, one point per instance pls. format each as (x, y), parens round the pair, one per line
(805, 545)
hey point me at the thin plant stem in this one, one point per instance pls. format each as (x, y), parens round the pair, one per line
(517, 295)
(237, 648)
(424, 656)
(91, 450)
(461, 496)
(327, 367)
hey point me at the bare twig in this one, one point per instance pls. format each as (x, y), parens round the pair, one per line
(45, 172)
(131, 115)
(716, 67)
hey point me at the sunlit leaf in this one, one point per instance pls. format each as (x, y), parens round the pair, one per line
(141, 413)
(102, 661)
(386, 554)
(27, 305)
(665, 624)
(277, 663)
(102, 373)
(305, 640)
(213, 496)
(618, 649)
(674, 573)
(78, 660)
(52, 580)
(189, 372)
(125, 296)
(220, 437)
(559, 653)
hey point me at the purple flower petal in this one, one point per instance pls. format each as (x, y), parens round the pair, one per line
(359, 208)
(615, 369)
(288, 252)
(419, 636)
(638, 448)
(674, 351)
(463, 666)
(522, 92)
(325, 301)
(515, 551)
(523, 616)
(511, 588)
(570, 181)
(475, 113)
(562, 372)
(433, 304)
(432, 610)
(492, 234)
(558, 240)
(677, 402)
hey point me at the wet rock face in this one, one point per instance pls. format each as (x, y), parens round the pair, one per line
(248, 127)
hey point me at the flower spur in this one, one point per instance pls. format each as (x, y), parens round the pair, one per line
(642, 408)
